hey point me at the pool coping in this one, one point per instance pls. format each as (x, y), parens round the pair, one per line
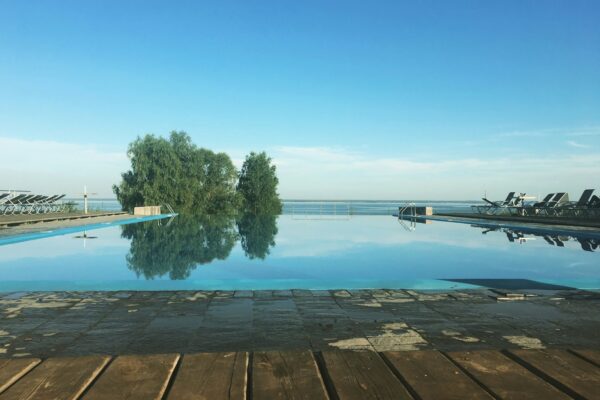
(24, 237)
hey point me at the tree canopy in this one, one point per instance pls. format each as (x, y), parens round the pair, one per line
(177, 172)
(257, 185)
(194, 180)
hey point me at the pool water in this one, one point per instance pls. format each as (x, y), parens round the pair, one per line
(302, 252)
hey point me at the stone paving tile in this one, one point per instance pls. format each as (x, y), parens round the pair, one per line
(342, 334)
(263, 294)
(235, 313)
(190, 296)
(429, 296)
(340, 293)
(178, 325)
(361, 293)
(398, 293)
(224, 294)
(221, 341)
(75, 323)
(99, 344)
(277, 323)
(225, 321)
(470, 295)
(22, 325)
(42, 344)
(301, 293)
(282, 293)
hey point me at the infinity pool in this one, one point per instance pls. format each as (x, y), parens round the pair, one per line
(288, 251)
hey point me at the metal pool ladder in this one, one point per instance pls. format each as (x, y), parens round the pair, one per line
(412, 208)
(168, 206)
(171, 211)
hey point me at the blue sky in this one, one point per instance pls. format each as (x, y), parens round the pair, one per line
(353, 99)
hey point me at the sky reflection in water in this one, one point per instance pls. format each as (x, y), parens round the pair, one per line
(290, 252)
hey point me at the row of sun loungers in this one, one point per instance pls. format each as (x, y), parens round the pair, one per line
(554, 204)
(30, 203)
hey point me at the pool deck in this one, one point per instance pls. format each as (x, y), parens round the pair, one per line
(11, 225)
(49, 324)
(23, 219)
(313, 344)
(582, 224)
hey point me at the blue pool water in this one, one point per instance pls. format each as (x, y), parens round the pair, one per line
(296, 251)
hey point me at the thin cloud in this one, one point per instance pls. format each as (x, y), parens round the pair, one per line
(595, 131)
(549, 133)
(317, 172)
(333, 173)
(321, 153)
(538, 133)
(575, 144)
(552, 132)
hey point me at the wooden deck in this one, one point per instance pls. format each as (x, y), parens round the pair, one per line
(514, 374)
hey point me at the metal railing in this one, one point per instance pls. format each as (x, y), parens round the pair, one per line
(412, 207)
(411, 217)
(319, 211)
(293, 207)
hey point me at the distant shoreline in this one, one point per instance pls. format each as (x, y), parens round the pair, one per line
(325, 201)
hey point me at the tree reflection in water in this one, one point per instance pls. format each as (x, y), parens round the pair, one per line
(177, 248)
(257, 234)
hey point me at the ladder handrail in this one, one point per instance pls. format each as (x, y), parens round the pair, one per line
(411, 206)
(168, 206)
(413, 224)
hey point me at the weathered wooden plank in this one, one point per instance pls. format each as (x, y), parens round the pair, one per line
(13, 369)
(576, 374)
(134, 377)
(211, 376)
(591, 355)
(57, 378)
(286, 375)
(363, 375)
(433, 376)
(504, 377)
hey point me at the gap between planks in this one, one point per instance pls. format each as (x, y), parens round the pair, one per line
(331, 374)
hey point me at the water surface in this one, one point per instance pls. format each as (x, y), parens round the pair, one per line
(288, 251)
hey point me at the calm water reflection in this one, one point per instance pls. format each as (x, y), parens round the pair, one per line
(589, 241)
(180, 245)
(268, 252)
(257, 234)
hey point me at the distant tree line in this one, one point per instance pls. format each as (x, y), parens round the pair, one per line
(195, 180)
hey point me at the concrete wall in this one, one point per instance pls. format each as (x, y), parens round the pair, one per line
(424, 210)
(418, 211)
(147, 210)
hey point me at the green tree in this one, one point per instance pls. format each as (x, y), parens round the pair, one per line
(257, 234)
(257, 185)
(177, 172)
